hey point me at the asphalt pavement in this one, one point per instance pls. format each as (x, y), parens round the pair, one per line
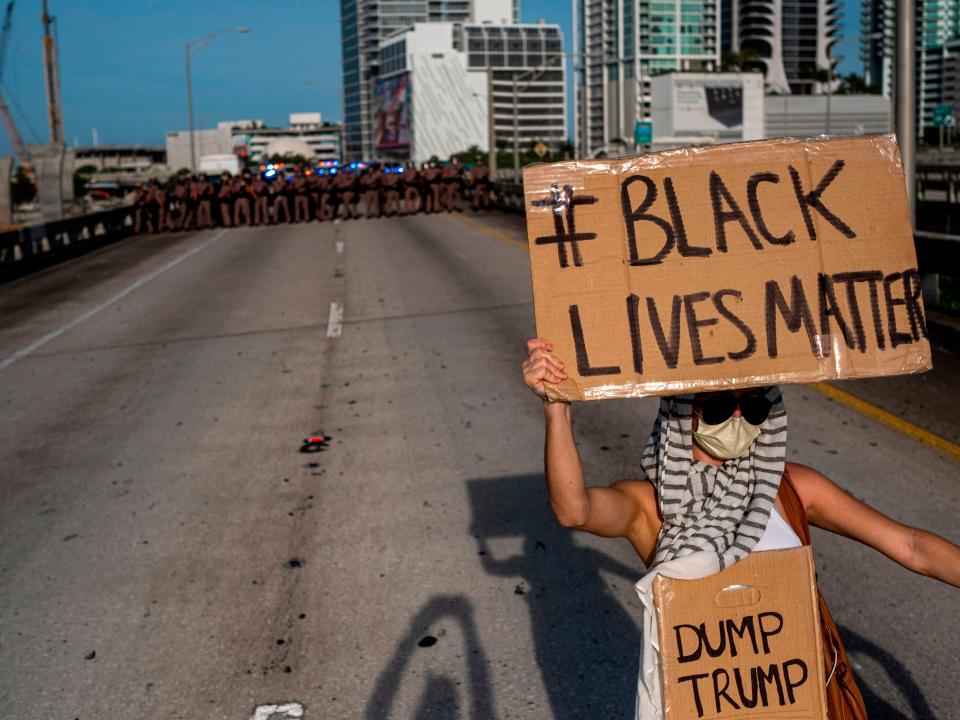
(167, 550)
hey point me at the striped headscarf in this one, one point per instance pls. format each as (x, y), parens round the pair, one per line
(723, 508)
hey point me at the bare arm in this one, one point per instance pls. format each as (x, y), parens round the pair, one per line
(830, 507)
(612, 511)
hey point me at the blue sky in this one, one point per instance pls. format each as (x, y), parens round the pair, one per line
(122, 63)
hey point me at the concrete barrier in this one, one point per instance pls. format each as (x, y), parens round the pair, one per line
(36, 246)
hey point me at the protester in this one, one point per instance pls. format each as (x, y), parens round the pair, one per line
(714, 479)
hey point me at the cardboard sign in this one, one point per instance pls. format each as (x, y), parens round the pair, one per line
(778, 261)
(743, 643)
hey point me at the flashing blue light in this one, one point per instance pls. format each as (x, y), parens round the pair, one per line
(270, 173)
(400, 170)
(333, 171)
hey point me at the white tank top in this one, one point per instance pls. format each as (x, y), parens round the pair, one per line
(778, 535)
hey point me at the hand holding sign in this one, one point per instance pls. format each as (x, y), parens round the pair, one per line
(541, 367)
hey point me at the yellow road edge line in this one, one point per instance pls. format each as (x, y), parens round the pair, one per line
(889, 419)
(844, 398)
(487, 230)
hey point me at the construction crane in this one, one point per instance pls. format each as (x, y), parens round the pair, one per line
(52, 72)
(8, 124)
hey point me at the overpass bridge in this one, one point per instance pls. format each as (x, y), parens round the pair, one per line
(166, 548)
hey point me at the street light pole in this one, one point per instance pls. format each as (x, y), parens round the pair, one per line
(906, 97)
(516, 141)
(189, 50)
(193, 151)
(491, 127)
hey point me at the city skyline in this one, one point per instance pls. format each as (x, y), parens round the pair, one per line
(131, 88)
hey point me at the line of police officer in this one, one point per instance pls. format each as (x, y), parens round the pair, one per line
(275, 196)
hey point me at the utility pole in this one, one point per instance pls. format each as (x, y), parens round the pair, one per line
(189, 50)
(193, 149)
(491, 128)
(905, 81)
(52, 76)
(516, 140)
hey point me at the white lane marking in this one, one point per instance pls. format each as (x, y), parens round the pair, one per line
(335, 320)
(265, 712)
(49, 337)
(339, 247)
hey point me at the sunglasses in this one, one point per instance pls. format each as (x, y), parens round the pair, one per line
(718, 406)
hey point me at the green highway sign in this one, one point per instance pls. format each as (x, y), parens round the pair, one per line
(643, 132)
(943, 116)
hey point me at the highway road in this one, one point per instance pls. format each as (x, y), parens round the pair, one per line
(166, 550)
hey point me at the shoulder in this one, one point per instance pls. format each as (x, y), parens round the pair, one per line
(643, 496)
(808, 483)
(645, 528)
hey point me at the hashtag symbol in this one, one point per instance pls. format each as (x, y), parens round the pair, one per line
(563, 203)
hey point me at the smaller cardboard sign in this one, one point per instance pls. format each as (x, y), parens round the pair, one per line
(743, 643)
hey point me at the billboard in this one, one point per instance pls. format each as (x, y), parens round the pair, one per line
(703, 105)
(392, 101)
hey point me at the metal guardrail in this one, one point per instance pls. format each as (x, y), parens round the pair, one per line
(938, 252)
(29, 248)
(508, 195)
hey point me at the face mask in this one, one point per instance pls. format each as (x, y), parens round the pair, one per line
(730, 439)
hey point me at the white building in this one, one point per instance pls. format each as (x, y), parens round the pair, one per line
(706, 108)
(431, 98)
(216, 141)
(426, 103)
(306, 135)
(366, 24)
(529, 73)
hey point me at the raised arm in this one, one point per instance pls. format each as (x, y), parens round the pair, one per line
(613, 511)
(830, 507)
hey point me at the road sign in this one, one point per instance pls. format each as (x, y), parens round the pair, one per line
(943, 116)
(643, 132)
(540, 149)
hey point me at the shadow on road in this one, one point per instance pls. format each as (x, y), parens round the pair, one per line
(440, 699)
(587, 647)
(879, 709)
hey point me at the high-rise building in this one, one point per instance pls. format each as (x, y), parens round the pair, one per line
(792, 38)
(529, 73)
(619, 45)
(878, 43)
(937, 36)
(431, 96)
(365, 24)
